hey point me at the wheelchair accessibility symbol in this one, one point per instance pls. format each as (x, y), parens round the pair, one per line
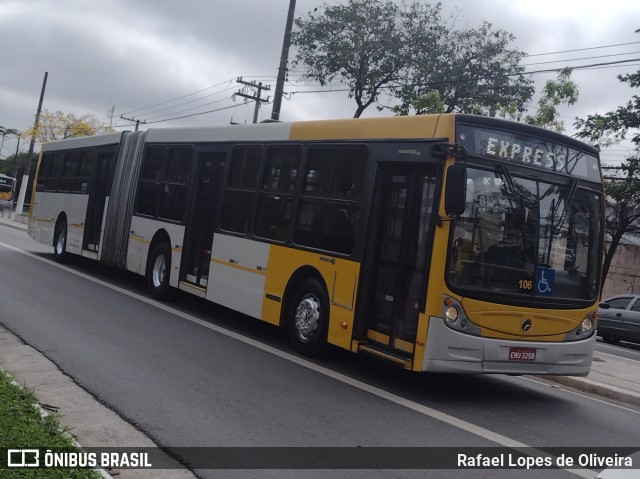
(544, 281)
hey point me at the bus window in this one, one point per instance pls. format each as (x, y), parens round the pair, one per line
(173, 198)
(43, 172)
(52, 182)
(330, 206)
(237, 203)
(276, 207)
(150, 175)
(70, 170)
(85, 171)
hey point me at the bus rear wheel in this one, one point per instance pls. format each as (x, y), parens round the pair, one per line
(158, 269)
(308, 317)
(60, 242)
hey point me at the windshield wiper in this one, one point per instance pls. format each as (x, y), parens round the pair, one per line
(517, 197)
(567, 205)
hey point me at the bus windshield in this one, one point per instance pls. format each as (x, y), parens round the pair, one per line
(526, 237)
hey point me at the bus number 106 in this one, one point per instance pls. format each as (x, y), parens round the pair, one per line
(525, 284)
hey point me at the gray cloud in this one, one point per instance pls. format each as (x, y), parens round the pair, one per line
(133, 54)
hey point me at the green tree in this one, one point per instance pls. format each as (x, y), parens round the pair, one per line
(623, 194)
(59, 125)
(615, 125)
(623, 208)
(4, 132)
(10, 165)
(470, 71)
(363, 43)
(555, 92)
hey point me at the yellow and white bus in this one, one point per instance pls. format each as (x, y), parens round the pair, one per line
(441, 243)
(6, 188)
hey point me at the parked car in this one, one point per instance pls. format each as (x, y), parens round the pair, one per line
(619, 318)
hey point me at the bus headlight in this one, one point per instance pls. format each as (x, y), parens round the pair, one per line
(451, 314)
(455, 318)
(587, 325)
(584, 330)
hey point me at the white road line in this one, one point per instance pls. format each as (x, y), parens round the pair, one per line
(412, 405)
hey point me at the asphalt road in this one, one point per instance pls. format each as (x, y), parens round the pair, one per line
(623, 349)
(190, 374)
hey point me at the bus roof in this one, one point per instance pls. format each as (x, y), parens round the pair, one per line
(395, 127)
(83, 142)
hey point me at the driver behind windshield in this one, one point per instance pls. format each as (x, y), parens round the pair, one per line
(505, 260)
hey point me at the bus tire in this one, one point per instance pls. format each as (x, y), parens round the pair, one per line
(60, 242)
(308, 317)
(158, 270)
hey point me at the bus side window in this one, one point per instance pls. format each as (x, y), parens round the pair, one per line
(239, 194)
(52, 182)
(43, 172)
(330, 204)
(275, 201)
(173, 198)
(149, 188)
(85, 171)
(69, 171)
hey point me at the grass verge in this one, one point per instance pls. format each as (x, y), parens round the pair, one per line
(23, 426)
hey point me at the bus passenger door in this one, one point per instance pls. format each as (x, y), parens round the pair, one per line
(399, 254)
(100, 189)
(198, 236)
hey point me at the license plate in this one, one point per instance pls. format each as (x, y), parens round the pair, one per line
(522, 354)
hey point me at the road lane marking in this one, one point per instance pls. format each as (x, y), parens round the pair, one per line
(381, 393)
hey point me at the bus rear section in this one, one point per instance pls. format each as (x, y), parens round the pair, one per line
(71, 195)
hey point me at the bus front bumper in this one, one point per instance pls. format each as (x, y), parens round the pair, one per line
(449, 351)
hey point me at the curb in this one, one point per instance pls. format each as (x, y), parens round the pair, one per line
(589, 386)
(14, 225)
(44, 413)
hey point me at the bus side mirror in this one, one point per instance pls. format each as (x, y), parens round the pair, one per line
(455, 195)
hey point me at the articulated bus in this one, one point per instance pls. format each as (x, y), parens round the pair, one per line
(441, 243)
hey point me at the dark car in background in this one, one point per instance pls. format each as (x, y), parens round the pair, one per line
(619, 318)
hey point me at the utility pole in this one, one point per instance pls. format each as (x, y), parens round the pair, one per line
(15, 167)
(25, 174)
(284, 57)
(133, 119)
(256, 94)
(110, 112)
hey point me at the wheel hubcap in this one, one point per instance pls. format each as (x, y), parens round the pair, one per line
(159, 269)
(307, 317)
(60, 242)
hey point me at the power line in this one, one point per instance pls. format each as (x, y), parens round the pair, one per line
(194, 114)
(186, 109)
(582, 49)
(179, 98)
(301, 75)
(577, 59)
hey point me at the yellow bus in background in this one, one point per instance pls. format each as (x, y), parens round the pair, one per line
(6, 188)
(441, 243)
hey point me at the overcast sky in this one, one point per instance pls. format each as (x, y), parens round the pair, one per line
(140, 56)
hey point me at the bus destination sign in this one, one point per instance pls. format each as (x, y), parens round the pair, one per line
(515, 148)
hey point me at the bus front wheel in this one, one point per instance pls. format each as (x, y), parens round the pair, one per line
(308, 318)
(60, 242)
(158, 270)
